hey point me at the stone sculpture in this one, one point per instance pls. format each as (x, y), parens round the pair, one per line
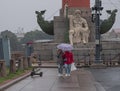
(79, 30)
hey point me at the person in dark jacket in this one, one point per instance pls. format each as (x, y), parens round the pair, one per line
(60, 62)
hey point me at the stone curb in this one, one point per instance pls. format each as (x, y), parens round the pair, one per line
(52, 66)
(7, 85)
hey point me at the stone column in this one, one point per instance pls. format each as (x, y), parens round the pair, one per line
(20, 64)
(12, 66)
(25, 63)
(3, 72)
(29, 61)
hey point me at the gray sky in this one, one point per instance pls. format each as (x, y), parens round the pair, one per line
(15, 14)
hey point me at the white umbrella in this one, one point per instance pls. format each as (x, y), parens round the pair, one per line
(65, 47)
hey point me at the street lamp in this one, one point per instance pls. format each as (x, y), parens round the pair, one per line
(96, 18)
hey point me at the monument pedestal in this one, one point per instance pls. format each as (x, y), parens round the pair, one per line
(98, 66)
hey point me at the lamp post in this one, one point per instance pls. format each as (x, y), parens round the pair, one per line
(97, 8)
(67, 22)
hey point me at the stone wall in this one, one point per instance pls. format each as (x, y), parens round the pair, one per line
(60, 27)
(47, 51)
(111, 47)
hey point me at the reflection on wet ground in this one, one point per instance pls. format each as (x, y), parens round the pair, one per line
(109, 78)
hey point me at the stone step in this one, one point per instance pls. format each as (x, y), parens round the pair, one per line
(87, 45)
(81, 48)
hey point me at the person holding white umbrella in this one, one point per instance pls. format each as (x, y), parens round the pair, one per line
(65, 47)
(67, 56)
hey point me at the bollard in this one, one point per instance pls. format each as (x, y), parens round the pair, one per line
(20, 64)
(12, 66)
(3, 72)
(25, 63)
(29, 61)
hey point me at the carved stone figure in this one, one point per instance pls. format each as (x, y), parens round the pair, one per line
(79, 31)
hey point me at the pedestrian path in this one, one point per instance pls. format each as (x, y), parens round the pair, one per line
(80, 80)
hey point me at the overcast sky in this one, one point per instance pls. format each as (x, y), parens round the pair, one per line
(15, 14)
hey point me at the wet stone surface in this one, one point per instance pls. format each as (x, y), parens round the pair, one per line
(80, 80)
(109, 78)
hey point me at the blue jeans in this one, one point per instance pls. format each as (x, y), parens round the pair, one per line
(60, 69)
(67, 68)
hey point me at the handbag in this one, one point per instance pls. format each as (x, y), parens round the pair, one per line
(73, 67)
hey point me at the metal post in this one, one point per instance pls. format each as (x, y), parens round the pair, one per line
(6, 50)
(29, 49)
(97, 28)
(1, 50)
(97, 8)
(67, 23)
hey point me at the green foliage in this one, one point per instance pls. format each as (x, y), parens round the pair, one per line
(35, 35)
(29, 36)
(11, 76)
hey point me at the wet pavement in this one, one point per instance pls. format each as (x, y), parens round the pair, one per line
(80, 80)
(109, 78)
(83, 79)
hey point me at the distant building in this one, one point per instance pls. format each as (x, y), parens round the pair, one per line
(19, 36)
(20, 33)
(113, 35)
